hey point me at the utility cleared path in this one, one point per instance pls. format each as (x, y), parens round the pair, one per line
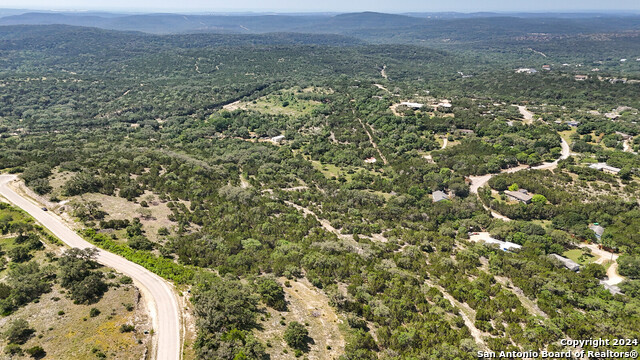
(163, 304)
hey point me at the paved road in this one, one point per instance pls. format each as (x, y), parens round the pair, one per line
(164, 304)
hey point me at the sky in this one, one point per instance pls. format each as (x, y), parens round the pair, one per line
(393, 6)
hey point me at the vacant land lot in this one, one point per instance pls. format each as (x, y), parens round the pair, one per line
(306, 305)
(286, 103)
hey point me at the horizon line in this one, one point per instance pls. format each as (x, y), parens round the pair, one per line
(315, 12)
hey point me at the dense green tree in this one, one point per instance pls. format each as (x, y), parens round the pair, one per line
(272, 293)
(18, 331)
(297, 336)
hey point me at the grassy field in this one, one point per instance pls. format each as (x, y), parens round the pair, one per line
(576, 255)
(285, 103)
(566, 135)
(331, 171)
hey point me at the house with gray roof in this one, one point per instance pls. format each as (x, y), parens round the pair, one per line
(439, 196)
(568, 263)
(521, 195)
(573, 123)
(597, 229)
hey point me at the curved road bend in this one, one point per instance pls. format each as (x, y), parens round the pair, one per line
(164, 310)
(479, 181)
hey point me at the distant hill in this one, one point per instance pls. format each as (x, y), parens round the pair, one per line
(65, 39)
(442, 30)
(171, 23)
(175, 23)
(367, 20)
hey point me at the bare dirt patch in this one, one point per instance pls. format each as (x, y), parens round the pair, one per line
(233, 106)
(306, 305)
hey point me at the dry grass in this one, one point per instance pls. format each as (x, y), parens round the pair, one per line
(75, 334)
(66, 331)
(120, 208)
(306, 305)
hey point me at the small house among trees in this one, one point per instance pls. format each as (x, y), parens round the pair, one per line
(439, 196)
(605, 168)
(521, 195)
(568, 263)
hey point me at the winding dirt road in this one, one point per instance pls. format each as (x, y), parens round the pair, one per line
(479, 181)
(626, 147)
(383, 72)
(613, 278)
(162, 301)
(467, 314)
(526, 114)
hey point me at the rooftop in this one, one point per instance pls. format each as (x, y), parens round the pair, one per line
(527, 70)
(439, 196)
(412, 104)
(568, 263)
(521, 195)
(604, 167)
(599, 230)
(504, 245)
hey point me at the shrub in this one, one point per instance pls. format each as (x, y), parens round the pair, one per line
(13, 349)
(19, 331)
(140, 243)
(125, 328)
(272, 293)
(539, 199)
(36, 352)
(296, 336)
